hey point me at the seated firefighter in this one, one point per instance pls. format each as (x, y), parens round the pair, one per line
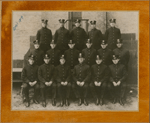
(117, 84)
(46, 77)
(63, 73)
(81, 76)
(99, 79)
(30, 80)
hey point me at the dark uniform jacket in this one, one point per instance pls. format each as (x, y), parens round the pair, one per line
(123, 54)
(111, 35)
(62, 73)
(81, 73)
(79, 36)
(99, 73)
(46, 73)
(90, 56)
(30, 73)
(38, 53)
(44, 36)
(61, 38)
(106, 55)
(54, 54)
(96, 37)
(117, 73)
(71, 56)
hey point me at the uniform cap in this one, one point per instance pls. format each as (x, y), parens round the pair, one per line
(77, 21)
(114, 57)
(71, 42)
(104, 42)
(81, 55)
(35, 42)
(89, 41)
(31, 56)
(119, 41)
(98, 57)
(112, 20)
(62, 20)
(52, 42)
(93, 22)
(62, 57)
(46, 56)
(44, 21)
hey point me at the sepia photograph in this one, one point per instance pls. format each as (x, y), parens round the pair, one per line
(75, 61)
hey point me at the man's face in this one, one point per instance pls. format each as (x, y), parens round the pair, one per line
(44, 24)
(77, 24)
(52, 46)
(88, 45)
(119, 45)
(93, 26)
(115, 61)
(103, 46)
(71, 46)
(46, 61)
(62, 24)
(62, 61)
(99, 61)
(36, 46)
(81, 60)
(31, 61)
(112, 24)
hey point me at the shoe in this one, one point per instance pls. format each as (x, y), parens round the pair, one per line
(85, 102)
(97, 101)
(27, 104)
(35, 101)
(101, 102)
(61, 103)
(80, 102)
(44, 104)
(121, 102)
(67, 102)
(54, 102)
(114, 100)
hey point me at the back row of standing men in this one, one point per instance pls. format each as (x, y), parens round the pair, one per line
(98, 48)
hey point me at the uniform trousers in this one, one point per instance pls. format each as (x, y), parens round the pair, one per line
(64, 91)
(98, 91)
(50, 89)
(80, 92)
(118, 91)
(26, 88)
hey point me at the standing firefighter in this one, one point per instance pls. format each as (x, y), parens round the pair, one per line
(54, 53)
(46, 77)
(63, 81)
(105, 53)
(122, 53)
(81, 77)
(30, 80)
(38, 53)
(89, 53)
(44, 36)
(61, 37)
(112, 34)
(95, 35)
(117, 84)
(100, 76)
(79, 36)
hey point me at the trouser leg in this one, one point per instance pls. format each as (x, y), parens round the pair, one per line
(43, 91)
(102, 89)
(54, 89)
(76, 90)
(111, 89)
(85, 90)
(93, 90)
(123, 89)
(26, 90)
(60, 91)
(68, 88)
(36, 91)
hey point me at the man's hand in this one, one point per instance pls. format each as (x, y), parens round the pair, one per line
(95, 83)
(47, 83)
(78, 83)
(118, 83)
(115, 84)
(65, 83)
(99, 84)
(30, 83)
(82, 83)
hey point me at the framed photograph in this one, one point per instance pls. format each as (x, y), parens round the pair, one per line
(67, 63)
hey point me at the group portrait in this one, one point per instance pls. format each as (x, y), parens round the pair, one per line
(75, 60)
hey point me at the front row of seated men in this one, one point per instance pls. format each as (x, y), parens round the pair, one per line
(83, 79)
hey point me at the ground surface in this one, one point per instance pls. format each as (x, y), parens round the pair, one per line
(131, 103)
